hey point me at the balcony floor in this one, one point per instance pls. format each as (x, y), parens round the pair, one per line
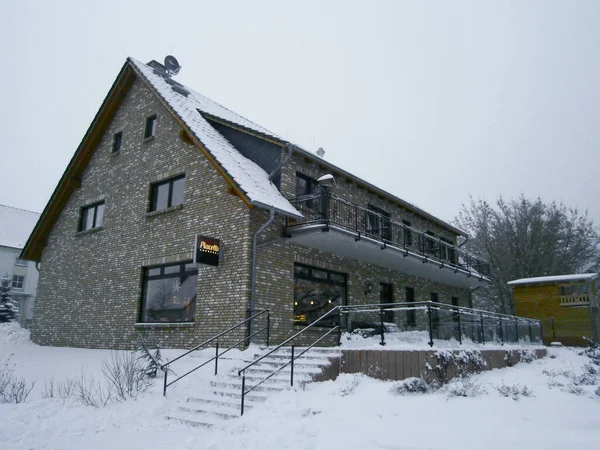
(342, 242)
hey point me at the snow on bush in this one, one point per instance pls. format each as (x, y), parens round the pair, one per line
(11, 333)
(464, 387)
(349, 384)
(411, 385)
(463, 363)
(515, 391)
(527, 355)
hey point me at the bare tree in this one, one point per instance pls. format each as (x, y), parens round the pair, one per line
(523, 238)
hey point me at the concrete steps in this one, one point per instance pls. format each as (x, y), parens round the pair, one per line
(223, 402)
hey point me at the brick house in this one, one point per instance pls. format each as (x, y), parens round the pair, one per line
(161, 165)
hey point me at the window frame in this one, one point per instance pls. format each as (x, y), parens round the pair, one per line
(21, 282)
(332, 279)
(313, 188)
(82, 225)
(20, 262)
(383, 221)
(154, 187)
(180, 274)
(150, 127)
(117, 142)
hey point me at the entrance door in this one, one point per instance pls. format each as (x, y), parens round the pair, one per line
(386, 295)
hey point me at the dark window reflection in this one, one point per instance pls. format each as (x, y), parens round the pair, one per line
(169, 294)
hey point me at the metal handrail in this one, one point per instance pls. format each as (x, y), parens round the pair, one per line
(280, 368)
(215, 358)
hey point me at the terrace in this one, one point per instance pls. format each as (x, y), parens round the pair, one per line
(336, 225)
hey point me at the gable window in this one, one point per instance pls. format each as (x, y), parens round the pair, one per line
(308, 189)
(317, 291)
(169, 293)
(18, 281)
(165, 194)
(117, 140)
(20, 262)
(378, 222)
(150, 129)
(92, 216)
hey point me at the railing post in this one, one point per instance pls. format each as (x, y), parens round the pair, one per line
(381, 324)
(292, 367)
(530, 334)
(243, 392)
(430, 326)
(541, 331)
(482, 330)
(268, 327)
(517, 329)
(217, 358)
(339, 327)
(501, 332)
(553, 329)
(459, 328)
(165, 383)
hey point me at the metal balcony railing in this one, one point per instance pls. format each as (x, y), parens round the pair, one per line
(329, 209)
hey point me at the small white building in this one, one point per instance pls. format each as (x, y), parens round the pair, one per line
(15, 227)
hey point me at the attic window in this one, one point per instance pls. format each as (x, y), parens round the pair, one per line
(150, 129)
(117, 140)
(91, 216)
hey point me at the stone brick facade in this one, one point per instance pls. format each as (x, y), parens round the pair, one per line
(90, 284)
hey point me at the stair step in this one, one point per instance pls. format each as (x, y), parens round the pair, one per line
(237, 394)
(196, 420)
(262, 388)
(223, 400)
(212, 410)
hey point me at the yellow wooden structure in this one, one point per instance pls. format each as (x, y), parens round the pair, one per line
(567, 305)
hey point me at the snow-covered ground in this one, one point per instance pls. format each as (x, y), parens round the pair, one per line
(354, 412)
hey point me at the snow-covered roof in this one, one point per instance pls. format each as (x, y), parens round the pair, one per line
(555, 279)
(248, 175)
(15, 226)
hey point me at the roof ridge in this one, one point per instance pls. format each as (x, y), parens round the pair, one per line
(20, 209)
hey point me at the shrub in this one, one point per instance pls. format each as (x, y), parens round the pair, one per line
(465, 387)
(349, 385)
(411, 385)
(515, 391)
(12, 389)
(125, 375)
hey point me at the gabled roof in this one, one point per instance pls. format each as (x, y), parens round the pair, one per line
(251, 179)
(555, 279)
(16, 226)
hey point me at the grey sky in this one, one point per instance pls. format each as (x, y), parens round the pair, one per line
(432, 101)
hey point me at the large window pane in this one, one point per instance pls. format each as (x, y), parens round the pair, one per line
(316, 292)
(99, 215)
(178, 186)
(161, 197)
(169, 294)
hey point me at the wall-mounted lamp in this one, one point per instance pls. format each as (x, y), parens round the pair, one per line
(368, 288)
(326, 181)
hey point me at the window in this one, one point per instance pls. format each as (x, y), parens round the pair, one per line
(407, 234)
(91, 216)
(20, 262)
(454, 301)
(18, 281)
(169, 293)
(167, 193)
(117, 139)
(411, 319)
(150, 129)
(317, 291)
(308, 187)
(447, 251)
(431, 244)
(378, 222)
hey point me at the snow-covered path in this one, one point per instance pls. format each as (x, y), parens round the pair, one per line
(354, 412)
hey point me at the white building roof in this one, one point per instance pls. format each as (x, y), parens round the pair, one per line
(555, 279)
(249, 176)
(15, 226)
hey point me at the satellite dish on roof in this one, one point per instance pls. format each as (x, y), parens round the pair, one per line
(172, 65)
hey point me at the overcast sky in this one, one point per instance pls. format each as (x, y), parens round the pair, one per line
(432, 101)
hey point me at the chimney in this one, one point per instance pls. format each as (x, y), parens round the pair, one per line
(321, 152)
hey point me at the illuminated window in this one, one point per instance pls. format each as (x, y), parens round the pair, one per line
(317, 291)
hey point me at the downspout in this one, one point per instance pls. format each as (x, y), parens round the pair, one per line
(254, 244)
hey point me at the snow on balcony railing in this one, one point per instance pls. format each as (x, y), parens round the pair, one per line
(574, 300)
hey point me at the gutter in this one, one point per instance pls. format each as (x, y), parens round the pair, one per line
(263, 227)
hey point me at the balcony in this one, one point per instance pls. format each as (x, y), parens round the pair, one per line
(335, 225)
